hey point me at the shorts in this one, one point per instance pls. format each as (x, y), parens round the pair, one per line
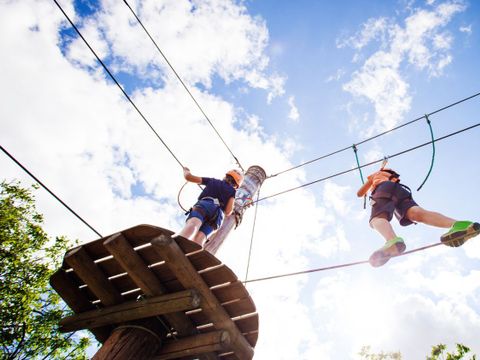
(391, 198)
(209, 210)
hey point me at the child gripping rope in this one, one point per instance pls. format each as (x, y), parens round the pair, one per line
(215, 201)
(390, 197)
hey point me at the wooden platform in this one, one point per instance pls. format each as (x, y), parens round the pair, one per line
(142, 273)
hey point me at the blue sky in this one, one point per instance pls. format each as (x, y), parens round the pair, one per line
(283, 82)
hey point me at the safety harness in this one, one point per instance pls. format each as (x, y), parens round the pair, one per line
(395, 178)
(210, 221)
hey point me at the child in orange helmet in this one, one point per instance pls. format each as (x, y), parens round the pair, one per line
(388, 197)
(215, 201)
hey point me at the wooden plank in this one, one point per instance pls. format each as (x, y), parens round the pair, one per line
(248, 323)
(252, 338)
(134, 310)
(137, 236)
(231, 291)
(194, 345)
(144, 278)
(71, 294)
(76, 300)
(89, 272)
(212, 277)
(188, 276)
(240, 307)
(235, 308)
(229, 356)
(203, 260)
(218, 276)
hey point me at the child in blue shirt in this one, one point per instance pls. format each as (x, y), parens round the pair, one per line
(215, 201)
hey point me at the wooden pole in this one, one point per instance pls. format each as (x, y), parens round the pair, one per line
(254, 178)
(131, 342)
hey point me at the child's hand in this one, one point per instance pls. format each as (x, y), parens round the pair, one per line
(186, 171)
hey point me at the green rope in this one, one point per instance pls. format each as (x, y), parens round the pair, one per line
(354, 147)
(433, 152)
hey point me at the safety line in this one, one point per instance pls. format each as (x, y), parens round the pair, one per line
(433, 152)
(251, 238)
(183, 83)
(355, 150)
(117, 83)
(49, 191)
(368, 164)
(338, 266)
(375, 136)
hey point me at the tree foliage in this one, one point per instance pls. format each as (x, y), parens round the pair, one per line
(438, 353)
(29, 308)
(366, 354)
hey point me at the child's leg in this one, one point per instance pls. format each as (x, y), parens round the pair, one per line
(384, 227)
(191, 227)
(200, 238)
(418, 214)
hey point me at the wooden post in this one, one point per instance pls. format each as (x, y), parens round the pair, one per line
(254, 178)
(130, 342)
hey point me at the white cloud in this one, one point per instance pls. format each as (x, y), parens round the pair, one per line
(74, 129)
(421, 41)
(335, 77)
(466, 29)
(293, 114)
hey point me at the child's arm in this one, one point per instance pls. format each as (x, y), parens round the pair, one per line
(364, 189)
(229, 206)
(189, 177)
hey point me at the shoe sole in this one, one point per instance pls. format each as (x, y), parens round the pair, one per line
(459, 238)
(380, 257)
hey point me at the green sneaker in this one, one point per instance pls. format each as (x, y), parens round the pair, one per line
(393, 247)
(460, 232)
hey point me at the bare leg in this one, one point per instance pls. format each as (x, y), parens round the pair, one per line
(384, 227)
(200, 238)
(191, 228)
(418, 214)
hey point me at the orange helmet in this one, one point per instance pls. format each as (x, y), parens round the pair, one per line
(237, 175)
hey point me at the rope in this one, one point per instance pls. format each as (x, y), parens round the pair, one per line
(433, 152)
(138, 327)
(251, 238)
(185, 86)
(358, 162)
(49, 191)
(368, 164)
(376, 136)
(117, 83)
(338, 266)
(361, 175)
(178, 196)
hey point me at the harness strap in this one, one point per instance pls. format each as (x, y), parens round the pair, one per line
(391, 195)
(210, 221)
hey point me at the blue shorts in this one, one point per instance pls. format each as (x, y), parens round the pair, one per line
(208, 210)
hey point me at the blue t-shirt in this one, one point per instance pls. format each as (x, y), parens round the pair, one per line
(218, 189)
